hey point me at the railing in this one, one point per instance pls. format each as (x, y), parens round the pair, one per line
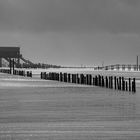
(128, 67)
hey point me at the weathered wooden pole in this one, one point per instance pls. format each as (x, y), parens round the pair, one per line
(75, 78)
(111, 82)
(61, 77)
(123, 84)
(41, 75)
(31, 74)
(90, 79)
(115, 82)
(78, 80)
(134, 85)
(93, 82)
(86, 79)
(57, 76)
(81, 79)
(118, 86)
(129, 84)
(120, 81)
(69, 77)
(106, 82)
(65, 77)
(72, 78)
(126, 85)
(99, 80)
(46, 76)
(96, 81)
(103, 84)
(111, 79)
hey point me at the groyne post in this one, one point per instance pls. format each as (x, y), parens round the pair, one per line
(69, 77)
(120, 81)
(134, 85)
(129, 84)
(115, 82)
(126, 85)
(106, 81)
(61, 77)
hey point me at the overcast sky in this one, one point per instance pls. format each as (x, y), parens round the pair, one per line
(72, 32)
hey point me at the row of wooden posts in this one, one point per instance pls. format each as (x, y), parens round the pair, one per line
(112, 82)
(22, 73)
(17, 72)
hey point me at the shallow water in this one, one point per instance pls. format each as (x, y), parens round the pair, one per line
(40, 110)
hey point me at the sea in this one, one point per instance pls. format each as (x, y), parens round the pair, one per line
(35, 109)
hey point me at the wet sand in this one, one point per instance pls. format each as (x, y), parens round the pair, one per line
(37, 109)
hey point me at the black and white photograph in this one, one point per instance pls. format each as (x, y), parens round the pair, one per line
(69, 69)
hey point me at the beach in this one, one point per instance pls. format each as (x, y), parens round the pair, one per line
(35, 109)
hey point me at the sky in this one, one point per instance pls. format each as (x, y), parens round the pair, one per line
(72, 32)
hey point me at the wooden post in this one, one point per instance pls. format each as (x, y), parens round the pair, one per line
(111, 82)
(61, 77)
(65, 77)
(75, 78)
(93, 81)
(120, 87)
(96, 81)
(86, 79)
(41, 75)
(50, 76)
(126, 85)
(72, 78)
(46, 76)
(99, 80)
(106, 82)
(90, 79)
(57, 76)
(134, 85)
(123, 84)
(102, 81)
(53, 75)
(115, 82)
(129, 84)
(111, 79)
(78, 79)
(31, 74)
(69, 78)
(81, 79)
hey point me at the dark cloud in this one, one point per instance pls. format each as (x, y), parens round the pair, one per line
(43, 15)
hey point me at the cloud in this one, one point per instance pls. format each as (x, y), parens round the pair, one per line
(131, 2)
(113, 16)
